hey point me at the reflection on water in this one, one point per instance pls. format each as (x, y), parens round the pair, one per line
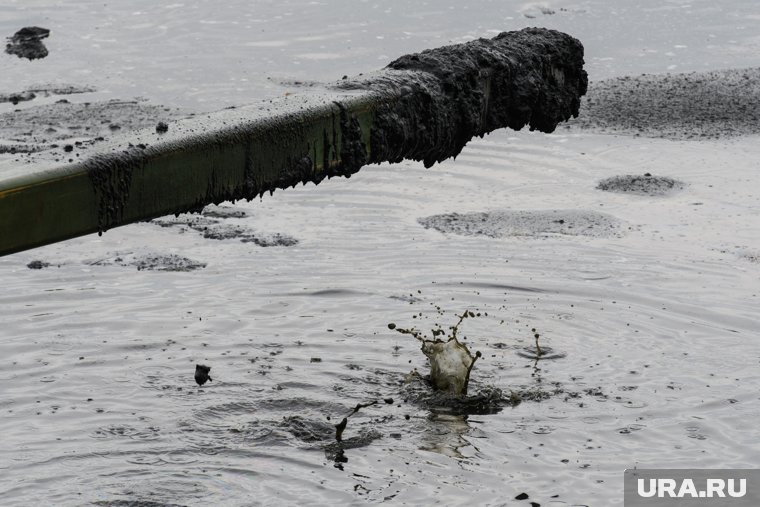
(445, 434)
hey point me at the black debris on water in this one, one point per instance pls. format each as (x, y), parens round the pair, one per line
(15, 98)
(640, 184)
(339, 429)
(202, 374)
(525, 223)
(209, 225)
(27, 43)
(150, 262)
(37, 264)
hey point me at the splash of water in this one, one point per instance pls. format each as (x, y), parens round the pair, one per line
(450, 361)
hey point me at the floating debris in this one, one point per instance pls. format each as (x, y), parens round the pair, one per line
(202, 374)
(525, 223)
(342, 424)
(15, 98)
(210, 227)
(645, 184)
(151, 262)
(27, 43)
(37, 264)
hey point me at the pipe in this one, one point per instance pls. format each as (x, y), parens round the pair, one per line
(423, 106)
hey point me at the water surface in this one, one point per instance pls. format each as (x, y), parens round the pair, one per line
(655, 325)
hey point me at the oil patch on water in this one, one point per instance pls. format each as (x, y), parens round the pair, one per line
(525, 223)
(645, 184)
(697, 105)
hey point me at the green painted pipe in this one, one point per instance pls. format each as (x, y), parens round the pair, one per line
(424, 106)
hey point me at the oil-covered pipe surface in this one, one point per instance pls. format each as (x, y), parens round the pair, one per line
(423, 106)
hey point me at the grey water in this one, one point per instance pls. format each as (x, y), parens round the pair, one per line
(649, 303)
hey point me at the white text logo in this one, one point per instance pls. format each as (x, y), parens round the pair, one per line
(714, 488)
